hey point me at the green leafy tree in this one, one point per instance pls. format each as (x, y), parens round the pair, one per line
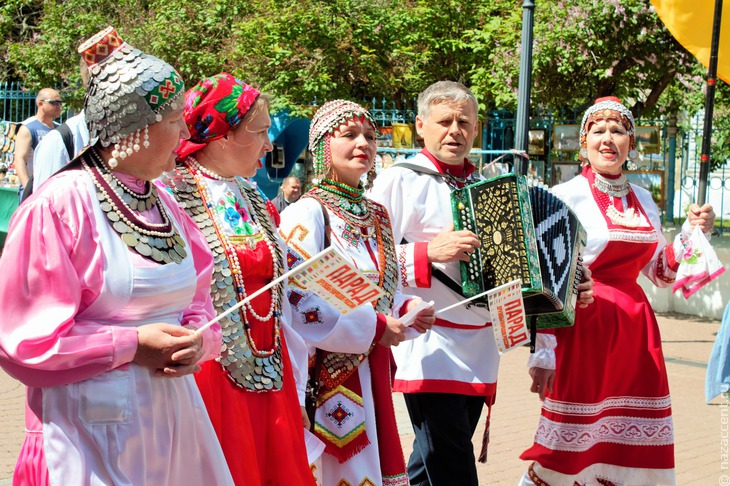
(304, 50)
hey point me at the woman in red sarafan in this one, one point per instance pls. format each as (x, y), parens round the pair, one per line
(606, 416)
(253, 393)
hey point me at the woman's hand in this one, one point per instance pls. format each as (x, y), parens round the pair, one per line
(542, 381)
(394, 332)
(704, 217)
(585, 289)
(424, 319)
(170, 350)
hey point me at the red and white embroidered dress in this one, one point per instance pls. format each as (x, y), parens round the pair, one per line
(608, 419)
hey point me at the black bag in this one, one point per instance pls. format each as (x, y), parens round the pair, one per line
(312, 392)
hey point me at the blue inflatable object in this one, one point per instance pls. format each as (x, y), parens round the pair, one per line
(290, 136)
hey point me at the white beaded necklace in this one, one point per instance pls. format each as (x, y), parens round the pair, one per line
(209, 172)
(229, 246)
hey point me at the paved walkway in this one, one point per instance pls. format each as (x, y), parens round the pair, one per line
(701, 430)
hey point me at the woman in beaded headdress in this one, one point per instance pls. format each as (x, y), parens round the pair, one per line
(250, 393)
(103, 279)
(354, 416)
(606, 416)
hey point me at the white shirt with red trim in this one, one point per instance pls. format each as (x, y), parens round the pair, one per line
(459, 354)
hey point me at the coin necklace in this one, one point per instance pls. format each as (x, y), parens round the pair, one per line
(235, 266)
(606, 191)
(618, 187)
(159, 242)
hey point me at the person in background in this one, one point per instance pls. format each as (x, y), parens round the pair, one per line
(105, 281)
(606, 415)
(446, 375)
(61, 145)
(351, 356)
(291, 189)
(31, 132)
(255, 393)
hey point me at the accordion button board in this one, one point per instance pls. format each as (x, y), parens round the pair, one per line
(525, 233)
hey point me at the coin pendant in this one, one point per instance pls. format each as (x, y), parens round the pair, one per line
(129, 239)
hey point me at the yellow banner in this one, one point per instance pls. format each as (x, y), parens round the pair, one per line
(690, 22)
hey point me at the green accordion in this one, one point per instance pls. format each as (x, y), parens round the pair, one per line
(525, 233)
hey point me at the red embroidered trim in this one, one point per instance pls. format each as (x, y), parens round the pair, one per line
(453, 325)
(402, 258)
(660, 272)
(534, 477)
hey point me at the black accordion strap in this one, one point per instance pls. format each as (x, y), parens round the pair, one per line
(435, 272)
(427, 171)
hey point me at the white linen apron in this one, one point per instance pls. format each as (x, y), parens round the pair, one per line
(128, 426)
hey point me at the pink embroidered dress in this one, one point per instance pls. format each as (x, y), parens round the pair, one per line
(71, 299)
(609, 417)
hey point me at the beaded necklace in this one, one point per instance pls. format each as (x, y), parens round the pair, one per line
(235, 266)
(345, 200)
(337, 367)
(159, 242)
(208, 172)
(607, 194)
(613, 187)
(246, 370)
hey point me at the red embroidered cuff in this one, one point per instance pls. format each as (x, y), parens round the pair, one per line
(380, 325)
(660, 272)
(672, 262)
(421, 265)
(404, 308)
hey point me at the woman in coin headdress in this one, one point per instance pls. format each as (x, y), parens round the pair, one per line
(354, 416)
(250, 394)
(103, 277)
(606, 416)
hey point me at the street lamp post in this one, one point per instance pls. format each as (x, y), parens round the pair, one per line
(522, 122)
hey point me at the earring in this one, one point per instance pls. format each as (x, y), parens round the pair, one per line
(135, 147)
(633, 154)
(372, 174)
(584, 152)
(114, 161)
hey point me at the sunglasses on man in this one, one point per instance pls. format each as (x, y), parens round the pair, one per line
(53, 102)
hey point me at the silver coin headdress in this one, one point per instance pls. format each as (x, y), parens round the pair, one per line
(128, 90)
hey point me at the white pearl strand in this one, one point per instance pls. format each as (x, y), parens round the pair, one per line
(123, 186)
(209, 172)
(230, 248)
(125, 220)
(628, 218)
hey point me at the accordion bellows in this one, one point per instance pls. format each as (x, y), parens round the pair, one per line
(528, 234)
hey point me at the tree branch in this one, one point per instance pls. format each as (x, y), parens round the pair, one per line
(656, 91)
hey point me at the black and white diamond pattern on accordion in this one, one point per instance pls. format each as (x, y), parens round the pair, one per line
(552, 241)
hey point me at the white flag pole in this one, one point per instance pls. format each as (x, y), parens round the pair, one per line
(263, 289)
(462, 302)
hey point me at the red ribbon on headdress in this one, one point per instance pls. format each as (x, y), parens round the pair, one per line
(214, 107)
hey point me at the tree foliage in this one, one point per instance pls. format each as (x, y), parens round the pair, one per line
(304, 50)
